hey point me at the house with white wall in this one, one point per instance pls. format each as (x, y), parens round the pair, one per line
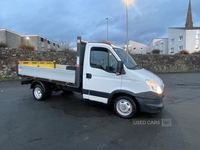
(184, 39)
(180, 38)
(162, 45)
(159, 43)
(152, 43)
(136, 47)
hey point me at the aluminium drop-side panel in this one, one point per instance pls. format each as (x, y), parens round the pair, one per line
(67, 76)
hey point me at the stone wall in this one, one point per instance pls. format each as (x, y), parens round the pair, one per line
(153, 63)
(169, 63)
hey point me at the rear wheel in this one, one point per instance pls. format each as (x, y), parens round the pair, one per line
(125, 107)
(38, 92)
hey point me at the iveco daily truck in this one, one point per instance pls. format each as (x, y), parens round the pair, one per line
(103, 73)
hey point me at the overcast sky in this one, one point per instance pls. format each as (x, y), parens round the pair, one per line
(67, 19)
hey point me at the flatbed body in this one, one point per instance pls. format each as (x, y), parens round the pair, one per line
(60, 74)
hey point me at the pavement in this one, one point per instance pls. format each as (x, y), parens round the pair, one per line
(66, 121)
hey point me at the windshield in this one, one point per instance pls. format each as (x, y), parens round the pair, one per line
(126, 58)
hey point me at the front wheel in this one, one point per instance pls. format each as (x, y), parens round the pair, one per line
(125, 107)
(38, 92)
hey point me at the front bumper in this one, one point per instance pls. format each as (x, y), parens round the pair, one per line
(150, 102)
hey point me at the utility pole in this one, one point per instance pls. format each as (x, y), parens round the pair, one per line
(127, 24)
(107, 28)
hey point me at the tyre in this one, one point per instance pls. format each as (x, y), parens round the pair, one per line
(38, 92)
(125, 107)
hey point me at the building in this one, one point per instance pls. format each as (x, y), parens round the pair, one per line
(184, 38)
(180, 38)
(162, 45)
(136, 47)
(74, 49)
(13, 40)
(152, 44)
(40, 43)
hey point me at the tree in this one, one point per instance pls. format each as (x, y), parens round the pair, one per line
(156, 51)
(65, 45)
(26, 47)
(3, 44)
(196, 53)
(183, 52)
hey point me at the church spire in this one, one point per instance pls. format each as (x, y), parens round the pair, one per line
(189, 22)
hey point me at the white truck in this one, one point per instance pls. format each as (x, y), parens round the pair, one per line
(103, 73)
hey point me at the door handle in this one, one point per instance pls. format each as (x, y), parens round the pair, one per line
(88, 75)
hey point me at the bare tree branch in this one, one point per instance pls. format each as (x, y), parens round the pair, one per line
(65, 45)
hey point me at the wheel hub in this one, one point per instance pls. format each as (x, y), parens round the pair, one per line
(124, 107)
(38, 93)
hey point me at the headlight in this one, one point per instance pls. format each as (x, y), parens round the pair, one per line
(154, 87)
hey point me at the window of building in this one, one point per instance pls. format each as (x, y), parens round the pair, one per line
(197, 42)
(172, 50)
(134, 48)
(161, 45)
(172, 41)
(53, 44)
(196, 46)
(180, 48)
(156, 45)
(42, 44)
(48, 44)
(180, 38)
(197, 31)
(197, 36)
(141, 48)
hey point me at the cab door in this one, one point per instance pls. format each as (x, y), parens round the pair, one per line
(101, 78)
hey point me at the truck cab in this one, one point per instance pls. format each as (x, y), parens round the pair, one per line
(130, 90)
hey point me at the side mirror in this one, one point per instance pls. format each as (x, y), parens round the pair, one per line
(120, 67)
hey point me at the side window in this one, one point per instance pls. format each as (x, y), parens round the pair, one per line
(99, 58)
(112, 63)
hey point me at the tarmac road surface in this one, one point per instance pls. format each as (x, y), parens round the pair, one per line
(67, 122)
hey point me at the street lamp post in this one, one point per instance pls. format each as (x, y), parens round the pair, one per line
(107, 28)
(127, 24)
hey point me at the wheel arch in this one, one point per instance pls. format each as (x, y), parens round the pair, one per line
(117, 93)
(38, 82)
